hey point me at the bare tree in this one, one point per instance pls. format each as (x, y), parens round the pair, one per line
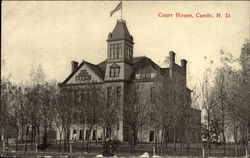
(109, 101)
(208, 105)
(61, 116)
(15, 110)
(5, 100)
(172, 105)
(92, 108)
(136, 112)
(245, 63)
(47, 101)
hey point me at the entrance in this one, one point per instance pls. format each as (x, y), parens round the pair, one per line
(151, 136)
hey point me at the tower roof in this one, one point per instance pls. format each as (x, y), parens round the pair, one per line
(120, 32)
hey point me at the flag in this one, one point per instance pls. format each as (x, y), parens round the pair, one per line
(118, 7)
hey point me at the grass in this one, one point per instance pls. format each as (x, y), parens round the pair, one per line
(124, 150)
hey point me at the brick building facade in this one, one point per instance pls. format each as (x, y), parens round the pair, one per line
(118, 73)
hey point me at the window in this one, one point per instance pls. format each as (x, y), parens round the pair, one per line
(83, 96)
(75, 96)
(148, 75)
(83, 75)
(114, 70)
(115, 51)
(153, 75)
(118, 95)
(78, 96)
(112, 51)
(109, 95)
(81, 135)
(128, 52)
(152, 95)
(119, 51)
(151, 136)
(87, 134)
(72, 96)
(137, 76)
(94, 135)
(142, 76)
(118, 125)
(136, 99)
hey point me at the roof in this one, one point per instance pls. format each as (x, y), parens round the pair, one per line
(120, 32)
(139, 63)
(96, 69)
(93, 67)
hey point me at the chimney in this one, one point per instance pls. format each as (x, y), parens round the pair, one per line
(172, 57)
(171, 63)
(74, 66)
(184, 65)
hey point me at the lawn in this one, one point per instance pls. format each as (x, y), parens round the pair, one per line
(124, 150)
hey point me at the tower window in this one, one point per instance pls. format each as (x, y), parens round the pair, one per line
(128, 52)
(115, 51)
(114, 70)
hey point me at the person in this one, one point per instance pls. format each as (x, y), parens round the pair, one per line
(74, 137)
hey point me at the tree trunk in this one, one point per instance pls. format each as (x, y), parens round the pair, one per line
(26, 139)
(88, 138)
(65, 139)
(235, 140)
(166, 140)
(141, 136)
(17, 131)
(38, 135)
(162, 140)
(45, 137)
(209, 135)
(32, 135)
(50, 134)
(68, 136)
(104, 134)
(35, 135)
(22, 131)
(60, 141)
(246, 144)
(174, 138)
(224, 141)
(83, 137)
(132, 142)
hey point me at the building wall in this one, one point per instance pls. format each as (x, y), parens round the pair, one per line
(113, 86)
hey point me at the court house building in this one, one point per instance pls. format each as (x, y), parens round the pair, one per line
(123, 74)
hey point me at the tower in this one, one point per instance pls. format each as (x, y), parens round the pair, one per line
(119, 53)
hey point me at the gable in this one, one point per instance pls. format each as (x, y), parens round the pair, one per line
(147, 72)
(114, 66)
(84, 74)
(147, 69)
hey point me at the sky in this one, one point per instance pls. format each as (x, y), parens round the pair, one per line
(53, 33)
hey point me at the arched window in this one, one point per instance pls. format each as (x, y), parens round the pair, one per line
(114, 70)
